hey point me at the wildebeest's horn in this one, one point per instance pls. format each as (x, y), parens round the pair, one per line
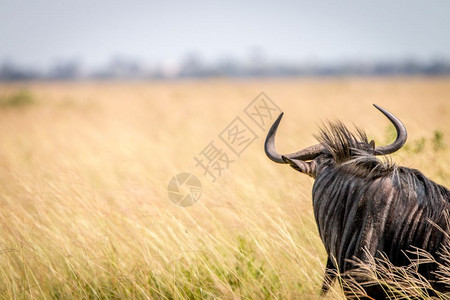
(269, 147)
(401, 134)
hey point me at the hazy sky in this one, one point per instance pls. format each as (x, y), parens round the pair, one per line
(40, 32)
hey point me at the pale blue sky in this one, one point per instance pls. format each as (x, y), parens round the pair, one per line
(40, 32)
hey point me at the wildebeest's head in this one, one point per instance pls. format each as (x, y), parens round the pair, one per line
(337, 145)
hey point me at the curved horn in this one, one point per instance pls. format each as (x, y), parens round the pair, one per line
(401, 134)
(269, 147)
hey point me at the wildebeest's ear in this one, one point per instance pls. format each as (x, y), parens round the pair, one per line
(301, 166)
(294, 163)
(372, 144)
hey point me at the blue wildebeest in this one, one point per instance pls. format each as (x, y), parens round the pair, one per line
(367, 208)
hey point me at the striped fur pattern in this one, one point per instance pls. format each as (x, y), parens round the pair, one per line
(364, 206)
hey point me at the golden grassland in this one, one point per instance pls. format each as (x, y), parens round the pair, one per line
(84, 169)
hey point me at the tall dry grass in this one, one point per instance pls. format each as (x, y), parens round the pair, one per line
(84, 169)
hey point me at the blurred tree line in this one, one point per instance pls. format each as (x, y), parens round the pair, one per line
(193, 66)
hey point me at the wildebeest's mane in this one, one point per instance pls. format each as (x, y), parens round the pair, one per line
(352, 151)
(341, 142)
